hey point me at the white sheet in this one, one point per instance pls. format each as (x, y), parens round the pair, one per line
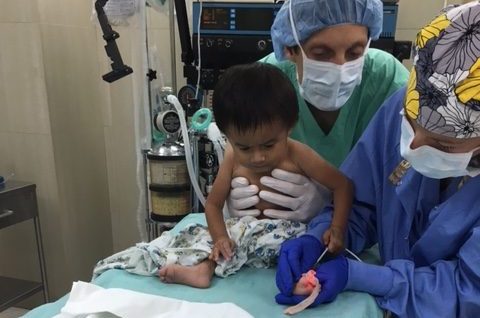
(91, 301)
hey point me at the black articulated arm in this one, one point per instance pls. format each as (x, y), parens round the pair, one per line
(184, 32)
(190, 71)
(119, 69)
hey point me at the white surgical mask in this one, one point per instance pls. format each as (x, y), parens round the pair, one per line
(431, 162)
(326, 85)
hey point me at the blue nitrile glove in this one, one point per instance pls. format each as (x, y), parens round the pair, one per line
(332, 275)
(296, 257)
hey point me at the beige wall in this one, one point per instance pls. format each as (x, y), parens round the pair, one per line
(77, 132)
(52, 134)
(72, 134)
(65, 129)
(414, 14)
(26, 143)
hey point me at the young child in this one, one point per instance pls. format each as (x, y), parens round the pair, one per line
(255, 106)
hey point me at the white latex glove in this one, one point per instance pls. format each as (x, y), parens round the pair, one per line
(304, 197)
(242, 196)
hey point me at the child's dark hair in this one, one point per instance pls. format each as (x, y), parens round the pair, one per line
(251, 95)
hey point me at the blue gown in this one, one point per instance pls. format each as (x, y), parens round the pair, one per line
(429, 239)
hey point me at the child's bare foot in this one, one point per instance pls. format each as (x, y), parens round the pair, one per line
(198, 276)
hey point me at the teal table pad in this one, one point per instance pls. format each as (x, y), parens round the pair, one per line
(251, 289)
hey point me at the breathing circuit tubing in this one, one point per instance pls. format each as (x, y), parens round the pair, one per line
(210, 128)
(172, 99)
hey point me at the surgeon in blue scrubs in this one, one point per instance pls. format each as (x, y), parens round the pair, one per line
(416, 173)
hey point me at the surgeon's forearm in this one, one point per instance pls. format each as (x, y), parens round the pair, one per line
(373, 279)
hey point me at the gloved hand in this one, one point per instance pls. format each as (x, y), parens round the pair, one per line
(332, 275)
(242, 196)
(303, 196)
(297, 256)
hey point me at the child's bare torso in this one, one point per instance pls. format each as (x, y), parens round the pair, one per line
(254, 178)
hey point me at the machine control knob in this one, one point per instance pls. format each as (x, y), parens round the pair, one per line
(262, 45)
(167, 122)
(228, 43)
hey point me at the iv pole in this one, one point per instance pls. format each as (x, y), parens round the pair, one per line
(173, 56)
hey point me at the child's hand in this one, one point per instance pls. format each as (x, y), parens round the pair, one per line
(223, 247)
(333, 239)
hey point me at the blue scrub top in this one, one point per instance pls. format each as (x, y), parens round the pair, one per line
(429, 239)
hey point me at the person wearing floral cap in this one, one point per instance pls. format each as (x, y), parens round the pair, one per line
(417, 188)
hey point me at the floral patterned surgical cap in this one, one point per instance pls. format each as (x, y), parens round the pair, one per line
(443, 94)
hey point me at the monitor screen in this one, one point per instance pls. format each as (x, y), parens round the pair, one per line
(215, 18)
(254, 19)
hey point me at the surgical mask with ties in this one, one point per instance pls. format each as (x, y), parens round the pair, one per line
(325, 85)
(430, 161)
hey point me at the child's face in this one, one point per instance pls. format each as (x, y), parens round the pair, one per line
(262, 149)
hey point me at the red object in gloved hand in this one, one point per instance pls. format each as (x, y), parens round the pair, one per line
(332, 275)
(297, 256)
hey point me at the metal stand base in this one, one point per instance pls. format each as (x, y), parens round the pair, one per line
(155, 229)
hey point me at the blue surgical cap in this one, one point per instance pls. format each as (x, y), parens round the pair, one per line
(313, 15)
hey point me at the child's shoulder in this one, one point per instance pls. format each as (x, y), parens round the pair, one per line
(296, 147)
(299, 152)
